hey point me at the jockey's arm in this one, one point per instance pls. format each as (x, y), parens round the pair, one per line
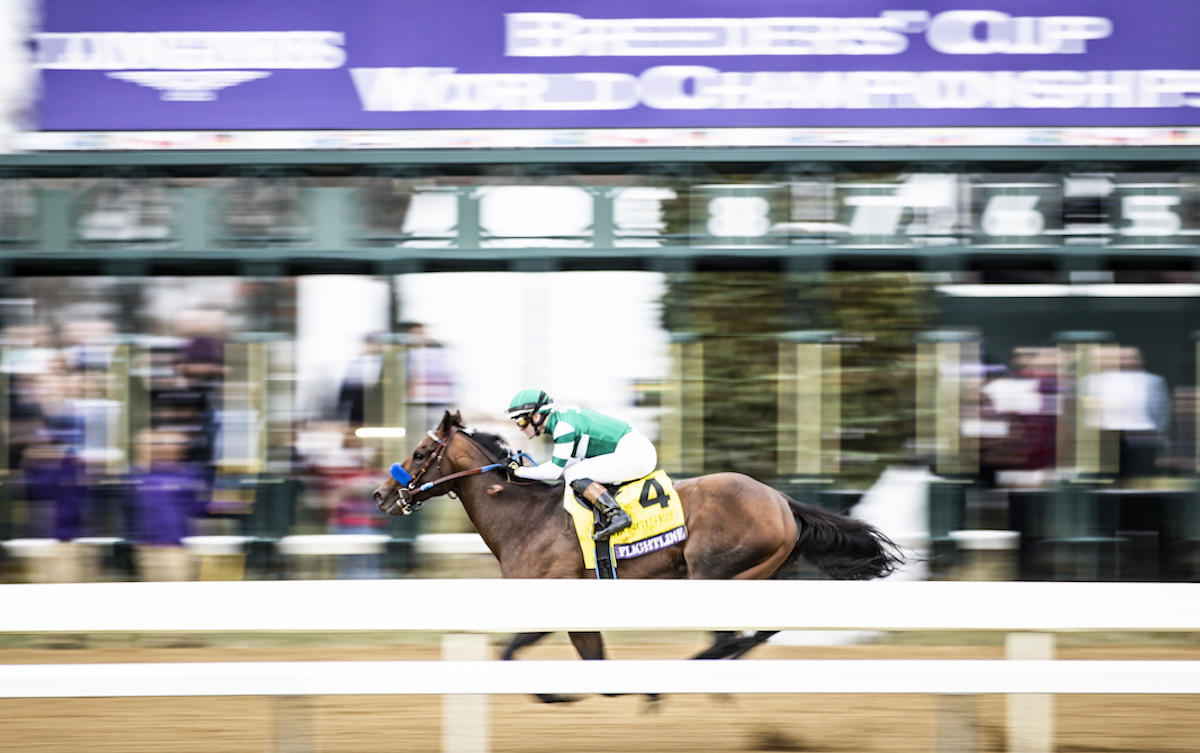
(550, 471)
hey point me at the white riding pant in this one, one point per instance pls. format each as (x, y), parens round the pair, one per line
(633, 458)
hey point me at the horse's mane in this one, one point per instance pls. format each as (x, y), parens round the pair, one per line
(493, 443)
(490, 442)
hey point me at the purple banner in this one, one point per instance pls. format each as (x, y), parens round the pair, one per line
(507, 64)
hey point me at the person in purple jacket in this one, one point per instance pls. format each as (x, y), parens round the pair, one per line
(167, 494)
(53, 480)
(53, 475)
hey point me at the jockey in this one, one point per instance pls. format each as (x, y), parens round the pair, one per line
(590, 450)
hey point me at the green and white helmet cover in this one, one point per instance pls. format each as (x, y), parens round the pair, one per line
(528, 401)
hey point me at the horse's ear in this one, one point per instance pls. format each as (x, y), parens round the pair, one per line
(450, 420)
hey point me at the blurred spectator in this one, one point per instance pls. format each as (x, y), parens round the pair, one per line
(1132, 404)
(54, 476)
(1180, 455)
(87, 355)
(27, 349)
(54, 467)
(361, 379)
(346, 485)
(88, 345)
(201, 366)
(168, 493)
(27, 358)
(175, 403)
(54, 489)
(25, 416)
(202, 355)
(430, 388)
(430, 382)
(1025, 398)
(97, 403)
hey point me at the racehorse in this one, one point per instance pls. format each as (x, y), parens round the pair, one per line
(738, 528)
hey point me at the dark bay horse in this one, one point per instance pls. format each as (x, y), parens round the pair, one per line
(737, 527)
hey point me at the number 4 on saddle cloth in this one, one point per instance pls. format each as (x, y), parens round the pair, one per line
(657, 516)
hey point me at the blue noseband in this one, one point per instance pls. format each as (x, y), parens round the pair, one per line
(402, 476)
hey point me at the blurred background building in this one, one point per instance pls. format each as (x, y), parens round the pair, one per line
(959, 284)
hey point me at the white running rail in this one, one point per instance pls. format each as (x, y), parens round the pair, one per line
(467, 610)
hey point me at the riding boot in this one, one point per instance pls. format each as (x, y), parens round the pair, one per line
(595, 493)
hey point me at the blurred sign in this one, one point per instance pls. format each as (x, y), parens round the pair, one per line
(918, 209)
(483, 64)
(1016, 213)
(738, 214)
(1150, 214)
(1126, 210)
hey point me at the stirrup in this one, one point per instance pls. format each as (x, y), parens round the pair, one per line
(618, 521)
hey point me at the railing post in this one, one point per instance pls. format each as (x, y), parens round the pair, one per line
(954, 730)
(1030, 715)
(466, 726)
(294, 724)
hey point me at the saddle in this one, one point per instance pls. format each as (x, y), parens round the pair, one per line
(657, 516)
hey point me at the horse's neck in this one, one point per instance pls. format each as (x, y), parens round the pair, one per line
(514, 515)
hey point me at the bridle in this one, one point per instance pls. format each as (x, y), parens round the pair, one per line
(410, 484)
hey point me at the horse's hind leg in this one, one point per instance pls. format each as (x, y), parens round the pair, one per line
(750, 642)
(730, 645)
(724, 643)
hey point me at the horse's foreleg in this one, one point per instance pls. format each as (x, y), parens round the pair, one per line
(523, 640)
(520, 641)
(725, 642)
(589, 645)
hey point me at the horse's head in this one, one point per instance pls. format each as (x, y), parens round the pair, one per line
(401, 493)
(437, 460)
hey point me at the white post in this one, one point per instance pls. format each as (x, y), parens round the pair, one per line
(294, 731)
(465, 723)
(954, 723)
(1030, 715)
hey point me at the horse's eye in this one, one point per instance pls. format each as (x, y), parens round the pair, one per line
(418, 455)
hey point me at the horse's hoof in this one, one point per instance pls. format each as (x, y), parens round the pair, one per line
(653, 700)
(558, 698)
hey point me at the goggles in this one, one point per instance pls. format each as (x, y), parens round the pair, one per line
(523, 420)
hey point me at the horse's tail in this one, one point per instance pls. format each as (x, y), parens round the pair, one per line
(843, 547)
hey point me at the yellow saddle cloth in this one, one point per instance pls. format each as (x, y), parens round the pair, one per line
(657, 516)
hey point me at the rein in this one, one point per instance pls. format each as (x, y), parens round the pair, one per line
(408, 481)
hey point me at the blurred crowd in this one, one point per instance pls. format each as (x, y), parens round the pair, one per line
(159, 458)
(1052, 412)
(164, 458)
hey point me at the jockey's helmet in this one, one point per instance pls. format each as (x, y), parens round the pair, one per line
(529, 401)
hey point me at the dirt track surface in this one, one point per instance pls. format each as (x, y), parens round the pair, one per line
(691, 723)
